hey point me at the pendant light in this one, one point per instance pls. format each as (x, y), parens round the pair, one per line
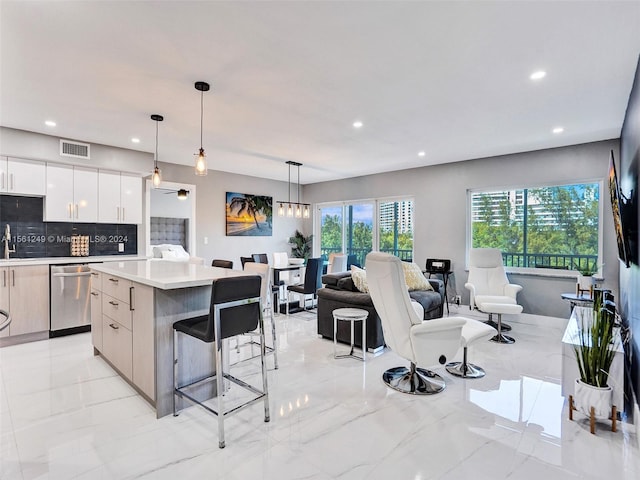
(201, 157)
(297, 209)
(183, 194)
(156, 177)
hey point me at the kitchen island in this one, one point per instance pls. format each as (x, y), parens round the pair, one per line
(133, 307)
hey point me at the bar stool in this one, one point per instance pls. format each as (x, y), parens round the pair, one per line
(473, 331)
(235, 309)
(350, 315)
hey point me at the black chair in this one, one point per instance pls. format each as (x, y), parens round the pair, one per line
(244, 260)
(312, 282)
(222, 263)
(260, 257)
(235, 309)
(352, 260)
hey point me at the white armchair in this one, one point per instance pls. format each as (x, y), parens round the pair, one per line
(488, 282)
(423, 343)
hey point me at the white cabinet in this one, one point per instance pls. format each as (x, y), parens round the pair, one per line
(22, 177)
(24, 291)
(131, 198)
(120, 198)
(72, 194)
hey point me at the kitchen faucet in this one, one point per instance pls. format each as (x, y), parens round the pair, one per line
(6, 239)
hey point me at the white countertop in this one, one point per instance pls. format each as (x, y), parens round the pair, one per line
(164, 274)
(16, 262)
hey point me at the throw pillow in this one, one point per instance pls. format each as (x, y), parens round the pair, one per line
(169, 255)
(414, 277)
(359, 277)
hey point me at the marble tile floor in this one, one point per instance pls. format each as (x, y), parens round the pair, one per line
(64, 414)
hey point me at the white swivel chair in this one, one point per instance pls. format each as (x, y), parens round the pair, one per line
(422, 343)
(488, 284)
(262, 269)
(337, 263)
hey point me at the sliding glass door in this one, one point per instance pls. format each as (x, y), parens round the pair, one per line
(357, 228)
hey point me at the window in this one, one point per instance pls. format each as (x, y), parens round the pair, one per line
(544, 227)
(355, 228)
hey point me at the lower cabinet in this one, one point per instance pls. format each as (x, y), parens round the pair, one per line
(24, 292)
(117, 345)
(122, 317)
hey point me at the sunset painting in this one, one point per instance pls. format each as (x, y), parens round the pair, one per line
(249, 215)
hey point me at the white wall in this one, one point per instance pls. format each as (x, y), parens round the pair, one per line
(210, 213)
(440, 194)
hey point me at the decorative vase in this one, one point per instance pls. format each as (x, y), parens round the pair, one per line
(587, 396)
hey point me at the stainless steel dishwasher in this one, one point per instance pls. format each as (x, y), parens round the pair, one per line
(70, 299)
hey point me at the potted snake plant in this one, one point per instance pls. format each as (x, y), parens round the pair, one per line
(594, 350)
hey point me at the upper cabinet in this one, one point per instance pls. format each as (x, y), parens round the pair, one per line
(119, 198)
(72, 194)
(22, 177)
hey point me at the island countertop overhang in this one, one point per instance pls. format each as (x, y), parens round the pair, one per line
(165, 275)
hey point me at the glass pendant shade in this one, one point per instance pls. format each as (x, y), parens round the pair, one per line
(298, 211)
(156, 178)
(290, 211)
(281, 210)
(305, 214)
(201, 163)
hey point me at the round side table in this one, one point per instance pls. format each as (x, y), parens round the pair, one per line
(350, 315)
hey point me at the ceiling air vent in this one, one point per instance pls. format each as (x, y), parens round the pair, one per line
(74, 149)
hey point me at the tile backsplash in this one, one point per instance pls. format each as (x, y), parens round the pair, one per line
(34, 238)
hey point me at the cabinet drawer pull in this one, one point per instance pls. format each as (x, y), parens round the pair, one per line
(95, 294)
(114, 280)
(115, 304)
(4, 278)
(131, 295)
(114, 326)
(94, 274)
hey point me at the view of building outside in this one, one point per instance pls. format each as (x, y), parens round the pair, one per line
(547, 227)
(395, 225)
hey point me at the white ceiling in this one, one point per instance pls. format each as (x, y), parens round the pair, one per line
(288, 79)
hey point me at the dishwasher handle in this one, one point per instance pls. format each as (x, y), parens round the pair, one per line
(73, 274)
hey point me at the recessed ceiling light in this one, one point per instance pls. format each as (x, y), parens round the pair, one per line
(421, 153)
(135, 140)
(558, 130)
(50, 123)
(539, 75)
(357, 124)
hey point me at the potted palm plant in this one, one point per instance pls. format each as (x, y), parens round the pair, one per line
(301, 245)
(595, 350)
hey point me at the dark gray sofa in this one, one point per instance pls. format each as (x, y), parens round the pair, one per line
(340, 292)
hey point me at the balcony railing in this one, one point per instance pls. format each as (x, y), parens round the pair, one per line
(583, 263)
(361, 253)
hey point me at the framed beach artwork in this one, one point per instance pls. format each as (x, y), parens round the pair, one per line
(249, 215)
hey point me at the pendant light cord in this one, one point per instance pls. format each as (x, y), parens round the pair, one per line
(155, 165)
(201, 115)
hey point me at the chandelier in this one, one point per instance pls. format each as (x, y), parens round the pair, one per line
(297, 209)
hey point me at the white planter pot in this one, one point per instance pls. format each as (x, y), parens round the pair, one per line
(587, 396)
